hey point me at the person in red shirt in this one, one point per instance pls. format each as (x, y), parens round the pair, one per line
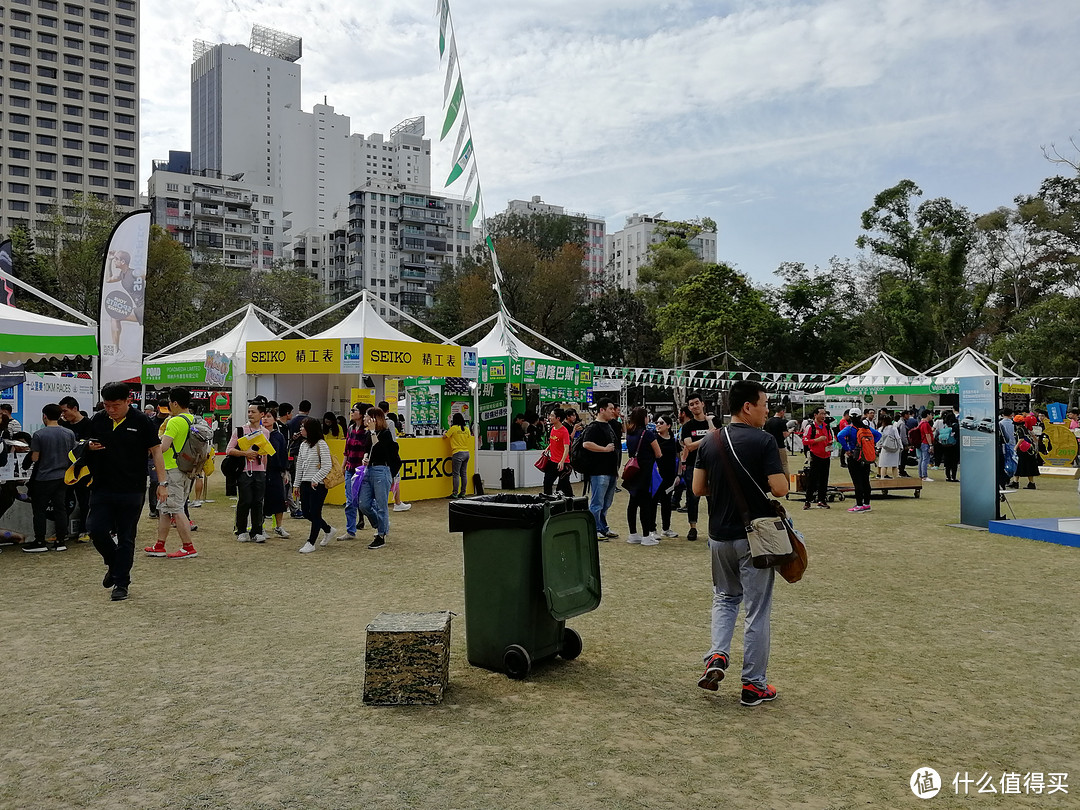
(926, 436)
(819, 438)
(558, 453)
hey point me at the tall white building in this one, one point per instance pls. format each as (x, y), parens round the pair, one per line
(69, 105)
(246, 120)
(628, 249)
(595, 229)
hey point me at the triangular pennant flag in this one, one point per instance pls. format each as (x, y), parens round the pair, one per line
(444, 15)
(463, 130)
(469, 180)
(462, 162)
(451, 61)
(475, 206)
(453, 108)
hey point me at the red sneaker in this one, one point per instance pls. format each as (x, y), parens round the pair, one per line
(183, 554)
(754, 695)
(715, 669)
(156, 550)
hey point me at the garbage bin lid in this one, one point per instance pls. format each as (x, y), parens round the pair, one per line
(571, 562)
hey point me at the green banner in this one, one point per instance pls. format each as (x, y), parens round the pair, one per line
(568, 375)
(193, 373)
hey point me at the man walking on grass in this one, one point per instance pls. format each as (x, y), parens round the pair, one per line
(177, 484)
(49, 449)
(694, 430)
(748, 456)
(603, 466)
(121, 437)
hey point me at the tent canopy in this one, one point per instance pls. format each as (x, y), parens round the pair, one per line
(965, 363)
(29, 336)
(232, 343)
(364, 322)
(500, 342)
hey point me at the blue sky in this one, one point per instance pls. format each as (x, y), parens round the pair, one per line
(779, 119)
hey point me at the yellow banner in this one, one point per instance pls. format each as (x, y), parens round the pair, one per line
(403, 359)
(365, 396)
(426, 470)
(294, 356)
(1015, 388)
(392, 392)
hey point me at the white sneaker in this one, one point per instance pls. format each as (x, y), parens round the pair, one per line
(670, 533)
(260, 538)
(650, 540)
(402, 507)
(307, 548)
(328, 535)
(195, 504)
(243, 537)
(280, 532)
(634, 539)
(346, 536)
(928, 479)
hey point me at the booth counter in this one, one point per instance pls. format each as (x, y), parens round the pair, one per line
(426, 469)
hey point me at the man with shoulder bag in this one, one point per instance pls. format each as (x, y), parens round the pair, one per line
(747, 460)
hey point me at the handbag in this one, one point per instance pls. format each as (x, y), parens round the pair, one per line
(232, 466)
(356, 481)
(657, 482)
(1024, 446)
(773, 540)
(336, 476)
(542, 462)
(631, 469)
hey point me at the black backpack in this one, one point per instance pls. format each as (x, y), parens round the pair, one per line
(579, 456)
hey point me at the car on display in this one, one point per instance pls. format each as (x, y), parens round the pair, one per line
(986, 425)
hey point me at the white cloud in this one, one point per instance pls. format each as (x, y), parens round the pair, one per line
(615, 107)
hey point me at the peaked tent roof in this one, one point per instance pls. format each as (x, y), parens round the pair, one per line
(498, 342)
(966, 363)
(29, 336)
(232, 343)
(364, 322)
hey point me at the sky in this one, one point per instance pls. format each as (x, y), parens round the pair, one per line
(779, 119)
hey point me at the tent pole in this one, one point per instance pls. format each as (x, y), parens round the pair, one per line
(48, 298)
(182, 340)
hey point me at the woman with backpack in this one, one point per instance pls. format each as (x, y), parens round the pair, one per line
(946, 437)
(858, 442)
(891, 448)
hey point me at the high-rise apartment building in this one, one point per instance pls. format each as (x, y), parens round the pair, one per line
(69, 105)
(595, 230)
(389, 240)
(218, 218)
(628, 249)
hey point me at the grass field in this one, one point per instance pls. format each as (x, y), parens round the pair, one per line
(234, 680)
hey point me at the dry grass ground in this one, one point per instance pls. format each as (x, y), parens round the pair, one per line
(234, 680)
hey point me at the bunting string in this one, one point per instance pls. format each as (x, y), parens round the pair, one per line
(465, 162)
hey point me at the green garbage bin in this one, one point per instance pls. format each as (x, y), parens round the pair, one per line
(531, 563)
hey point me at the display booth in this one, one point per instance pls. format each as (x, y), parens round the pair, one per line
(26, 336)
(507, 366)
(362, 353)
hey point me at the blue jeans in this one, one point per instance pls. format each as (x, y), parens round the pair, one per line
(924, 460)
(735, 578)
(601, 494)
(351, 509)
(374, 498)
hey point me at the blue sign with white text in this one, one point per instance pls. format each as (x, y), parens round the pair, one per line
(979, 460)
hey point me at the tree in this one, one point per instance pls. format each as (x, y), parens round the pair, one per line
(616, 328)
(546, 232)
(719, 310)
(170, 308)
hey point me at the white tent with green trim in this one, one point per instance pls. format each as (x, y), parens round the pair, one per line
(28, 336)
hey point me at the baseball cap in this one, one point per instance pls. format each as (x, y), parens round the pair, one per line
(854, 412)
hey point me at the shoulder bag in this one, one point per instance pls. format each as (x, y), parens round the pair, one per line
(232, 466)
(773, 541)
(632, 468)
(336, 476)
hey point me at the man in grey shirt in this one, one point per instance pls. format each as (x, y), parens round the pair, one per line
(49, 449)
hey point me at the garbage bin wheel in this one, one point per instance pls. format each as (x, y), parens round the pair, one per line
(571, 644)
(517, 662)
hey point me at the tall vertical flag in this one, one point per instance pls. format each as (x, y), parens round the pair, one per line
(7, 289)
(457, 115)
(123, 298)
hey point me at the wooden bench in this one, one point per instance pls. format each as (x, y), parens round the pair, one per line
(885, 486)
